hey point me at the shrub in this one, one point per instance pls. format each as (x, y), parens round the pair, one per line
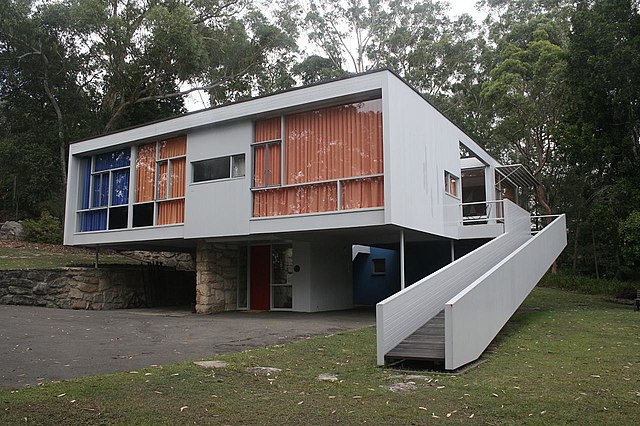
(588, 285)
(46, 229)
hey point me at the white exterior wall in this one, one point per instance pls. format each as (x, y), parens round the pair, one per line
(422, 145)
(331, 277)
(301, 280)
(220, 207)
(324, 282)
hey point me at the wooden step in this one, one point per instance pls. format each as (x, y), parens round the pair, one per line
(427, 343)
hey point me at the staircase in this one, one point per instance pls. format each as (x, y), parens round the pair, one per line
(453, 314)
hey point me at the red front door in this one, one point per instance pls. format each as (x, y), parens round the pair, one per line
(260, 277)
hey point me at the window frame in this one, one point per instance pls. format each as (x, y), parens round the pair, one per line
(231, 158)
(109, 201)
(266, 144)
(448, 177)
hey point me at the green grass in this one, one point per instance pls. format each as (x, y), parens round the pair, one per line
(32, 258)
(564, 358)
(588, 285)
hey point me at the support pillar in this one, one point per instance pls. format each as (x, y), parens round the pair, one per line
(216, 277)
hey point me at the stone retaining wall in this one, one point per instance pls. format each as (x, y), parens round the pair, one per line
(90, 288)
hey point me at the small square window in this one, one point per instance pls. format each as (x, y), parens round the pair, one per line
(237, 165)
(379, 266)
(451, 184)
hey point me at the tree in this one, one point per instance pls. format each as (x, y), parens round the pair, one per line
(316, 68)
(94, 66)
(527, 95)
(603, 65)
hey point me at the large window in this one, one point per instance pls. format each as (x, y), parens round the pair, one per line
(157, 197)
(160, 183)
(105, 191)
(317, 161)
(218, 168)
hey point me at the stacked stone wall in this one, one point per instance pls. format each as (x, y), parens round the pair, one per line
(216, 277)
(86, 288)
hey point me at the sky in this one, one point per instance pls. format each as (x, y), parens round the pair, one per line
(198, 100)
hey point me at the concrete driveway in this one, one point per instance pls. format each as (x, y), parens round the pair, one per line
(44, 344)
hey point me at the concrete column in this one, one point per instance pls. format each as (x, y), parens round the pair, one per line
(216, 277)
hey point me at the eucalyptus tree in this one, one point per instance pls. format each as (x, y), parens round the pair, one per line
(526, 89)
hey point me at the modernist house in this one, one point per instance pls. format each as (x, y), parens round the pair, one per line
(280, 197)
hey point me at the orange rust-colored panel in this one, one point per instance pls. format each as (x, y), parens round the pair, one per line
(259, 166)
(170, 212)
(336, 142)
(163, 176)
(268, 130)
(363, 193)
(146, 172)
(295, 200)
(274, 170)
(178, 177)
(174, 147)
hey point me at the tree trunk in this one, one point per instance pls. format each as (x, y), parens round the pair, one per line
(541, 198)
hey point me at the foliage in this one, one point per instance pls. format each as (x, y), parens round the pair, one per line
(79, 68)
(46, 229)
(630, 236)
(588, 285)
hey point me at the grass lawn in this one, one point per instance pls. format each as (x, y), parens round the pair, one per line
(564, 358)
(38, 256)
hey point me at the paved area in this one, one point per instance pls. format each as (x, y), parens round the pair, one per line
(44, 344)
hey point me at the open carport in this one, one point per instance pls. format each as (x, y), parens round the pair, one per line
(41, 344)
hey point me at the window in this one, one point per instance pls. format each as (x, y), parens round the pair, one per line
(158, 194)
(267, 153)
(379, 267)
(281, 273)
(160, 182)
(104, 191)
(451, 184)
(266, 165)
(218, 168)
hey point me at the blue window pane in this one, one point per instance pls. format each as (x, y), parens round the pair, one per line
(112, 160)
(86, 182)
(100, 190)
(95, 220)
(120, 188)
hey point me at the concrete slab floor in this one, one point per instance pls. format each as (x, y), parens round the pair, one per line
(44, 344)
